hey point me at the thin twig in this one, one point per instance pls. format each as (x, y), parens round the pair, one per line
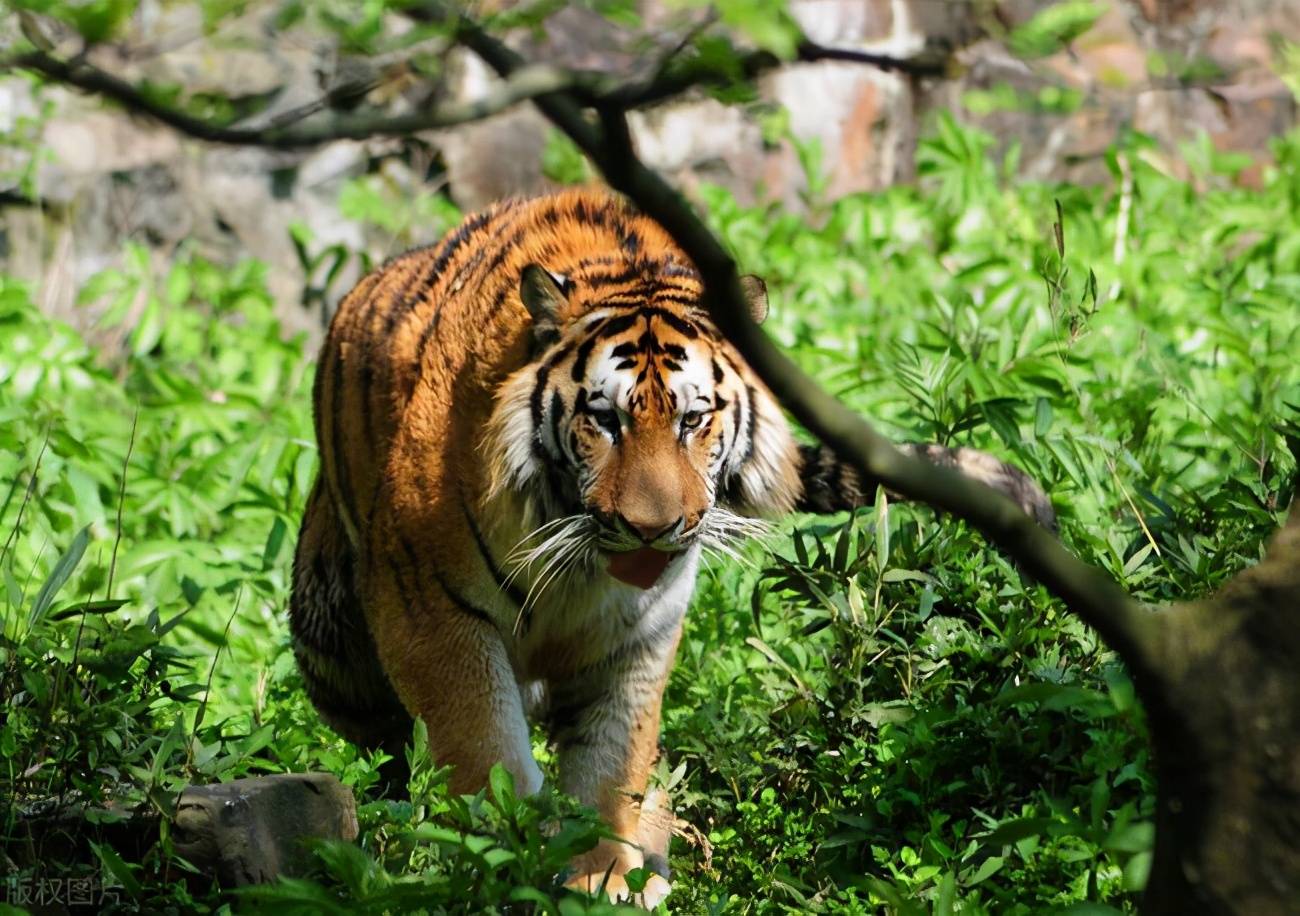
(527, 83)
(121, 498)
(27, 497)
(212, 669)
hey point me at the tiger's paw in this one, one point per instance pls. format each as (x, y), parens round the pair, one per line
(617, 889)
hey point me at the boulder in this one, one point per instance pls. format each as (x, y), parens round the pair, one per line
(251, 831)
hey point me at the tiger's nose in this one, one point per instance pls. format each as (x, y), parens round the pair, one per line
(649, 530)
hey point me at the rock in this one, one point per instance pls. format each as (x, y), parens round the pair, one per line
(836, 22)
(84, 146)
(250, 831)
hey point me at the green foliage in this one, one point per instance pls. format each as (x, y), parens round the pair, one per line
(562, 161)
(1054, 27)
(879, 714)
(93, 20)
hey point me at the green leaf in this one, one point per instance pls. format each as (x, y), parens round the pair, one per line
(124, 873)
(503, 788)
(882, 530)
(1016, 829)
(274, 541)
(149, 327)
(767, 23)
(107, 606)
(988, 868)
(58, 576)
(1042, 417)
(1052, 28)
(943, 906)
(1136, 871)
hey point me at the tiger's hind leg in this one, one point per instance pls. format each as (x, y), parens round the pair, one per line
(333, 645)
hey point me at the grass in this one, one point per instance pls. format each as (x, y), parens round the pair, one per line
(878, 715)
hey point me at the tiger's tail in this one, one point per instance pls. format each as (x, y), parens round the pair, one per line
(335, 652)
(831, 485)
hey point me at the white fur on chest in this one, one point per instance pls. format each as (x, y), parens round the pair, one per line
(591, 617)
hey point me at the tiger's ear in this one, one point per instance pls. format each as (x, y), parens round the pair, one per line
(544, 294)
(756, 295)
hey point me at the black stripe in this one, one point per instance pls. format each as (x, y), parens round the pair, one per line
(579, 371)
(591, 217)
(557, 419)
(484, 551)
(627, 275)
(499, 258)
(341, 474)
(503, 251)
(450, 246)
(367, 414)
(535, 408)
(599, 260)
(399, 303)
(751, 423)
(678, 324)
(403, 590)
(460, 602)
(569, 705)
(612, 327)
(687, 300)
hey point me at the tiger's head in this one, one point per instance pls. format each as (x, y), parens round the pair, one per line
(636, 431)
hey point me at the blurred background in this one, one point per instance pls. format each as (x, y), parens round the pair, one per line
(1055, 84)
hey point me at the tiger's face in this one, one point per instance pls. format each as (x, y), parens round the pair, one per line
(636, 431)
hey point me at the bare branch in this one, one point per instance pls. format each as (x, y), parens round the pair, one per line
(526, 83)
(677, 75)
(1128, 627)
(682, 74)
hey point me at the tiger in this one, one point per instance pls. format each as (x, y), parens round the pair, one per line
(531, 434)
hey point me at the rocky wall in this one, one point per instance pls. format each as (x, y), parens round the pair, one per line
(1173, 69)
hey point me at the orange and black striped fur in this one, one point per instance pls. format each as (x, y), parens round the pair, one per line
(530, 433)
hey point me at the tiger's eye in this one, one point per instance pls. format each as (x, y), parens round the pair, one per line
(608, 420)
(692, 419)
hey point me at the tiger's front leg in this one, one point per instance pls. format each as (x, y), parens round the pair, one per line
(606, 726)
(449, 666)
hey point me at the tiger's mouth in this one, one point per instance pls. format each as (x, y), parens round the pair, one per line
(640, 567)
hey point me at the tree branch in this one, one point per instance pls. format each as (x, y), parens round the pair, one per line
(526, 83)
(680, 75)
(1125, 625)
